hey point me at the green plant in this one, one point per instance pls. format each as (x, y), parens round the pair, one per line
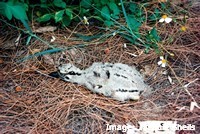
(57, 11)
(17, 10)
(103, 10)
(152, 38)
(126, 18)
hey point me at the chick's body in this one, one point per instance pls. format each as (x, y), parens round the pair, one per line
(118, 80)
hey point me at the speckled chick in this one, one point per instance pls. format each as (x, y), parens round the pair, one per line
(119, 81)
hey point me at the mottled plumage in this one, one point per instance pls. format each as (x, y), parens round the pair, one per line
(117, 80)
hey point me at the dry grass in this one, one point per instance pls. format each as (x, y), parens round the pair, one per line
(47, 105)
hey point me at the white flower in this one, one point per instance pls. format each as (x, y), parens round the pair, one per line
(162, 62)
(114, 33)
(166, 19)
(85, 20)
(125, 46)
(52, 39)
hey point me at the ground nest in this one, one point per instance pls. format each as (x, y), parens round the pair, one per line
(32, 102)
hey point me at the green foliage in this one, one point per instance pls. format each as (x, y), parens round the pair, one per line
(61, 13)
(156, 14)
(50, 51)
(86, 3)
(59, 3)
(154, 35)
(134, 23)
(15, 9)
(152, 38)
(107, 12)
(113, 7)
(45, 17)
(88, 38)
(133, 26)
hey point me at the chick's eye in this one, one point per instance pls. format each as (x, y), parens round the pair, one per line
(72, 73)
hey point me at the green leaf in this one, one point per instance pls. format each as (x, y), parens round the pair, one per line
(114, 16)
(154, 33)
(45, 18)
(68, 12)
(103, 2)
(10, 9)
(108, 23)
(98, 18)
(25, 23)
(59, 15)
(105, 12)
(44, 5)
(128, 37)
(152, 45)
(86, 3)
(83, 11)
(114, 8)
(155, 47)
(133, 7)
(54, 50)
(17, 9)
(43, 1)
(4, 10)
(96, 1)
(155, 15)
(133, 23)
(66, 21)
(139, 13)
(147, 48)
(157, 12)
(28, 40)
(163, 6)
(59, 3)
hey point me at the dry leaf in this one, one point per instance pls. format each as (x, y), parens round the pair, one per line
(170, 80)
(45, 29)
(132, 54)
(162, 0)
(1, 61)
(17, 40)
(48, 60)
(1, 96)
(15, 70)
(18, 89)
(1, 77)
(35, 51)
(193, 105)
(29, 101)
(73, 51)
(149, 70)
(107, 51)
